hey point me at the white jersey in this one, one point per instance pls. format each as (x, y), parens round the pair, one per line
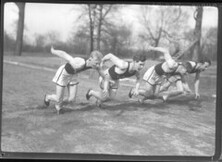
(151, 77)
(67, 74)
(77, 62)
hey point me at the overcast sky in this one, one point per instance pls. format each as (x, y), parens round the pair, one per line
(42, 17)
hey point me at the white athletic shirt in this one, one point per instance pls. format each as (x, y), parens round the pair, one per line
(77, 62)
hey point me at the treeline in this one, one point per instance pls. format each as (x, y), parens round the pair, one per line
(117, 44)
(102, 27)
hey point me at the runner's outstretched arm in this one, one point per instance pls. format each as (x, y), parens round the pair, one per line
(165, 52)
(170, 61)
(101, 72)
(61, 54)
(115, 60)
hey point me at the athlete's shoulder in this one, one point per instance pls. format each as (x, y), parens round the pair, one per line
(77, 62)
(191, 61)
(79, 59)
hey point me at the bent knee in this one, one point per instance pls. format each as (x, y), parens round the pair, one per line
(180, 91)
(148, 94)
(105, 98)
(71, 99)
(59, 100)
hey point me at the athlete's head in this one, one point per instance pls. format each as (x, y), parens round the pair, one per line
(95, 59)
(204, 63)
(139, 61)
(188, 67)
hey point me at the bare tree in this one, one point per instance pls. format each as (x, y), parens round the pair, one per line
(96, 15)
(209, 43)
(103, 12)
(162, 23)
(40, 41)
(20, 28)
(181, 52)
(52, 37)
(198, 15)
(92, 14)
(117, 39)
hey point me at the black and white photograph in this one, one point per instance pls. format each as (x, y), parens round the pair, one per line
(109, 79)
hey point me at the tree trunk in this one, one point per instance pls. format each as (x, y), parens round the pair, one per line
(91, 27)
(99, 26)
(156, 44)
(20, 28)
(197, 33)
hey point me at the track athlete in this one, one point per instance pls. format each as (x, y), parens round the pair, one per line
(156, 74)
(64, 75)
(192, 67)
(109, 84)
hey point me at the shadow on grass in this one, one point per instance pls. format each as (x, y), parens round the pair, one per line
(86, 107)
(183, 101)
(134, 106)
(122, 106)
(190, 102)
(193, 105)
(109, 106)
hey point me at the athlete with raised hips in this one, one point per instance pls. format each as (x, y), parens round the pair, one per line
(192, 67)
(121, 69)
(155, 75)
(65, 73)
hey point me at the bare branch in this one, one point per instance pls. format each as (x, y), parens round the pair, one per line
(195, 15)
(186, 50)
(107, 11)
(147, 25)
(178, 16)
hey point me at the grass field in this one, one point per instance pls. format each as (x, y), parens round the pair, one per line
(182, 126)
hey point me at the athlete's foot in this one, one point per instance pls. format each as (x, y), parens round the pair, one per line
(72, 103)
(98, 104)
(141, 101)
(88, 95)
(46, 102)
(164, 98)
(65, 102)
(130, 93)
(57, 110)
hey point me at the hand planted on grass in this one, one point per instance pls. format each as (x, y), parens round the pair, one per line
(197, 96)
(52, 49)
(135, 92)
(188, 92)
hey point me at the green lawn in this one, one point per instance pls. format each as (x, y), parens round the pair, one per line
(182, 126)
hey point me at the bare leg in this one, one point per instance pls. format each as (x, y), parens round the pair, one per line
(58, 97)
(102, 96)
(165, 86)
(72, 91)
(172, 93)
(147, 93)
(99, 95)
(112, 93)
(157, 92)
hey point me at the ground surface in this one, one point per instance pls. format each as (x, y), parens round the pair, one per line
(182, 126)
